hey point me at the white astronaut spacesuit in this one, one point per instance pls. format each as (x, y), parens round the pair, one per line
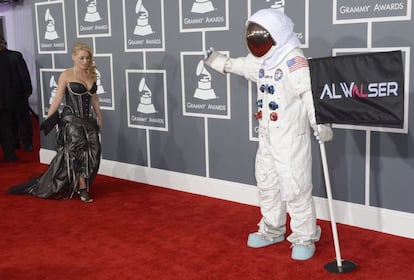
(285, 112)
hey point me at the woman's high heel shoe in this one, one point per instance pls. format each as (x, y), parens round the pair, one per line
(84, 195)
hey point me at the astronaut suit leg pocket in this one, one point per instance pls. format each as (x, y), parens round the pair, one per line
(272, 208)
(292, 161)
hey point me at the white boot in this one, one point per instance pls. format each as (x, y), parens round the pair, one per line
(303, 252)
(259, 240)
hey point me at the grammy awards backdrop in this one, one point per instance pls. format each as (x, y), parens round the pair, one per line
(170, 121)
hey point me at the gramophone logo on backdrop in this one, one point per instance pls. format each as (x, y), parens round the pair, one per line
(296, 10)
(53, 88)
(147, 99)
(50, 33)
(202, 6)
(145, 105)
(144, 25)
(100, 88)
(52, 91)
(50, 25)
(142, 28)
(104, 81)
(203, 15)
(204, 90)
(48, 87)
(92, 18)
(278, 4)
(92, 14)
(205, 93)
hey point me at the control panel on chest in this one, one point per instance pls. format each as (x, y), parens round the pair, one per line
(269, 94)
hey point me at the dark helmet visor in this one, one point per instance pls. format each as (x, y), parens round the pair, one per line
(258, 39)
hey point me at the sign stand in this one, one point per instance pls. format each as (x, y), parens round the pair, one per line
(340, 266)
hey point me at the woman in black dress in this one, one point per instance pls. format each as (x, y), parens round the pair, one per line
(76, 163)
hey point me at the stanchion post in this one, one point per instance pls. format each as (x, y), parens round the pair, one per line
(340, 265)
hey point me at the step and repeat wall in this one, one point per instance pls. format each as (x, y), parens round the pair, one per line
(164, 110)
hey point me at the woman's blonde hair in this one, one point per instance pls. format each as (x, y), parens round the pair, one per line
(79, 46)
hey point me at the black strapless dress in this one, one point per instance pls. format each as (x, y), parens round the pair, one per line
(78, 149)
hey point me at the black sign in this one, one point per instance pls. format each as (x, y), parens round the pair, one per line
(359, 89)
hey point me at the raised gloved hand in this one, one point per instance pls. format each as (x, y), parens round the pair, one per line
(323, 132)
(215, 60)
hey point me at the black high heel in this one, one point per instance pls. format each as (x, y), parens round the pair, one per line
(84, 195)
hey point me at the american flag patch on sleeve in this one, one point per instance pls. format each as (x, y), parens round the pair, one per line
(296, 63)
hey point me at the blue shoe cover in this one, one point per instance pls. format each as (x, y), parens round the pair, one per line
(302, 252)
(257, 240)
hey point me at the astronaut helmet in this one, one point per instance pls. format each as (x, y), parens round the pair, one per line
(272, 37)
(258, 39)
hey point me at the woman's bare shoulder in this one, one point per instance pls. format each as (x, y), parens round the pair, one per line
(66, 74)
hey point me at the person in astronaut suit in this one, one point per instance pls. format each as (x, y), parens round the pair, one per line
(285, 113)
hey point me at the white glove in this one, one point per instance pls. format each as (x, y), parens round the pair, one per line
(323, 132)
(215, 60)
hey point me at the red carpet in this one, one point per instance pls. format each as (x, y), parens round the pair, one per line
(136, 231)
